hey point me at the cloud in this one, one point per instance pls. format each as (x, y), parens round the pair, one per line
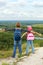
(13, 9)
(38, 4)
(20, 9)
(2, 3)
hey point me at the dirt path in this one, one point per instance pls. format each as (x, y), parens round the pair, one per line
(33, 59)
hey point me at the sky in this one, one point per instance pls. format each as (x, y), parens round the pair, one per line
(21, 9)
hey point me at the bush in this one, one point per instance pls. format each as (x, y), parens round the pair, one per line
(6, 40)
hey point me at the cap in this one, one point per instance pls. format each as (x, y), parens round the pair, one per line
(29, 28)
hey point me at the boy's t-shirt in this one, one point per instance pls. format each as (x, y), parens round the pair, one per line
(17, 34)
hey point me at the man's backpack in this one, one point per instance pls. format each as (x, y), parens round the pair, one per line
(17, 35)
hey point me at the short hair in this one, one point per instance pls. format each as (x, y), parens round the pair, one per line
(18, 24)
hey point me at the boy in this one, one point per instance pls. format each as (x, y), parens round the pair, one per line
(17, 38)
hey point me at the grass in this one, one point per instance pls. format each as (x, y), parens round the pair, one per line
(5, 64)
(15, 63)
(5, 54)
(38, 25)
(38, 43)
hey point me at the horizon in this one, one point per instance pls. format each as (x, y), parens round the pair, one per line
(22, 20)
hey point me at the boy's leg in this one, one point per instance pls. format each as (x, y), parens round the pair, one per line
(27, 47)
(14, 52)
(19, 47)
(32, 46)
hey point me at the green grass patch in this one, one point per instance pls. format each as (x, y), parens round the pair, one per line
(5, 64)
(5, 54)
(8, 53)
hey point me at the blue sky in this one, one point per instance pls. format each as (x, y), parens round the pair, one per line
(21, 9)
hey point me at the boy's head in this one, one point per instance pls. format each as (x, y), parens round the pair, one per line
(18, 24)
(29, 28)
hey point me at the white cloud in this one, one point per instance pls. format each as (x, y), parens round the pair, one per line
(21, 9)
(13, 9)
(2, 0)
(38, 4)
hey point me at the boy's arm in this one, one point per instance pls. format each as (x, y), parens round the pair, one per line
(23, 34)
(6, 29)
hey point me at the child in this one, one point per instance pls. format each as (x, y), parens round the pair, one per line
(30, 38)
(17, 38)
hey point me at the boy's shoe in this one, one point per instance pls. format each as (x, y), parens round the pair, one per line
(13, 56)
